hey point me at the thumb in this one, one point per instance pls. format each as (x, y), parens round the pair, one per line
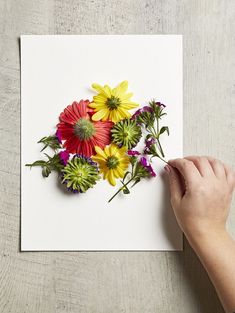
(175, 183)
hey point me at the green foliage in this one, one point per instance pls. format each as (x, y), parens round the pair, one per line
(52, 163)
(51, 142)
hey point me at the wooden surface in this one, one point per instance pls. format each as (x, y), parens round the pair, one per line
(116, 282)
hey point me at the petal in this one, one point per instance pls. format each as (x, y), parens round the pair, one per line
(120, 172)
(126, 96)
(108, 91)
(101, 90)
(111, 178)
(99, 159)
(122, 87)
(123, 113)
(129, 105)
(99, 115)
(100, 152)
(107, 151)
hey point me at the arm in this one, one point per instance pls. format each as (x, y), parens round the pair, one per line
(201, 193)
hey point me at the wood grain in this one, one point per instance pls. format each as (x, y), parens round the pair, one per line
(127, 282)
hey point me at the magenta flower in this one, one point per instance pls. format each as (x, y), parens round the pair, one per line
(160, 104)
(149, 142)
(147, 166)
(58, 136)
(133, 152)
(64, 156)
(147, 109)
(136, 114)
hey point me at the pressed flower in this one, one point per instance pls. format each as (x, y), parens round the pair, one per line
(150, 141)
(147, 108)
(58, 136)
(112, 104)
(126, 133)
(147, 166)
(64, 156)
(133, 152)
(160, 104)
(80, 174)
(80, 132)
(112, 161)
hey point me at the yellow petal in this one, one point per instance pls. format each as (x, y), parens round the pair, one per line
(97, 105)
(100, 89)
(99, 115)
(113, 149)
(111, 178)
(122, 87)
(129, 105)
(113, 116)
(120, 172)
(100, 97)
(124, 113)
(100, 152)
(126, 96)
(108, 91)
(107, 151)
(122, 150)
(99, 159)
(115, 173)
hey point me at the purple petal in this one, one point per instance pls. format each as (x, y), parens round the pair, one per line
(133, 152)
(149, 142)
(137, 113)
(147, 109)
(143, 161)
(148, 167)
(64, 156)
(58, 136)
(160, 104)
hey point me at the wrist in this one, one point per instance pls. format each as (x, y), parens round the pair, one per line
(207, 236)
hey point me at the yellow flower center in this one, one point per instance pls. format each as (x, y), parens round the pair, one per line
(112, 162)
(113, 103)
(84, 129)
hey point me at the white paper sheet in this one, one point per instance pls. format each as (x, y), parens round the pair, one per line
(55, 71)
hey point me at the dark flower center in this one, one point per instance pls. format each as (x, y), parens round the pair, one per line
(113, 103)
(112, 162)
(84, 129)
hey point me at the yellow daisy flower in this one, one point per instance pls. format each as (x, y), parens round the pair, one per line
(112, 104)
(112, 162)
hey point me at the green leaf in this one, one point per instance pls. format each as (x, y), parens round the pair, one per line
(46, 171)
(125, 176)
(164, 129)
(37, 163)
(50, 141)
(126, 191)
(136, 182)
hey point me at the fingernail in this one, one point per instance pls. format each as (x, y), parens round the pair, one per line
(167, 168)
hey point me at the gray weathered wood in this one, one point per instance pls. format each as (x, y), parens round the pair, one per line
(130, 282)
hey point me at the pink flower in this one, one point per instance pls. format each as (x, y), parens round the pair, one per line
(133, 152)
(147, 166)
(64, 156)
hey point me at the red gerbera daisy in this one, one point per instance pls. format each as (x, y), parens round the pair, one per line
(80, 133)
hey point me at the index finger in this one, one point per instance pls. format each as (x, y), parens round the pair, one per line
(187, 169)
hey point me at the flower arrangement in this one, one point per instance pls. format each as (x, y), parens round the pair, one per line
(98, 138)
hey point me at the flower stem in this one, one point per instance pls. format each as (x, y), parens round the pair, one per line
(160, 147)
(162, 159)
(120, 189)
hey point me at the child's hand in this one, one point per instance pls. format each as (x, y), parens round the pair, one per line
(201, 192)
